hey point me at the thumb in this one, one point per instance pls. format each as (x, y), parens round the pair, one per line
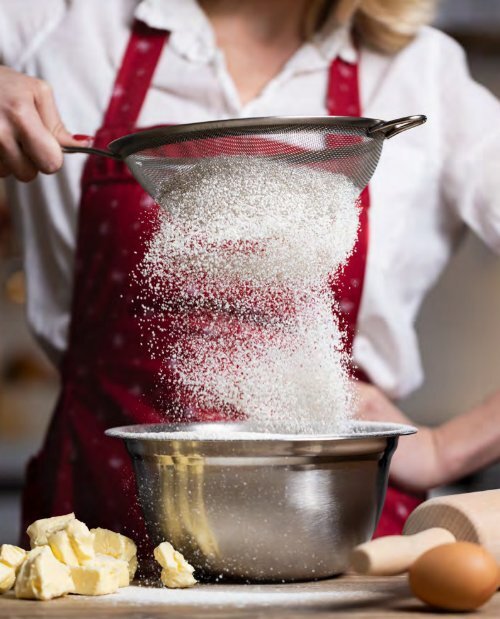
(65, 138)
(51, 118)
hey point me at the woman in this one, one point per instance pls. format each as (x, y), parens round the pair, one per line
(108, 68)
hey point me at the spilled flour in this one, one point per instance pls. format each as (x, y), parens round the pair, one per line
(328, 594)
(240, 267)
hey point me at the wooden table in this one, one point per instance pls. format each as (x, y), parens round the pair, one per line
(349, 596)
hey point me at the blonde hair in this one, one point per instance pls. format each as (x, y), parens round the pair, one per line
(384, 25)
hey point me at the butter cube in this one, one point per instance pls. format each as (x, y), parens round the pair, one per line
(11, 558)
(132, 567)
(12, 555)
(81, 539)
(95, 579)
(120, 566)
(42, 576)
(177, 573)
(60, 544)
(74, 544)
(113, 544)
(40, 530)
(177, 580)
(116, 545)
(7, 577)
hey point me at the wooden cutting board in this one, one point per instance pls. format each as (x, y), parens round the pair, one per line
(349, 596)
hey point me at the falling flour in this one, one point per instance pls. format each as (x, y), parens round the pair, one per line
(241, 267)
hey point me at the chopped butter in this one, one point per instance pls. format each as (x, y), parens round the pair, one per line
(74, 544)
(81, 539)
(132, 567)
(7, 577)
(12, 555)
(95, 579)
(120, 566)
(177, 573)
(60, 545)
(116, 545)
(41, 529)
(42, 576)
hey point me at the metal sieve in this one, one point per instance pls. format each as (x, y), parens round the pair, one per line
(342, 145)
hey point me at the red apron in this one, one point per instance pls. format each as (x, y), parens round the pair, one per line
(109, 378)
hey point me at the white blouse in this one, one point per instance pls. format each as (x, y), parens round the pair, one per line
(429, 183)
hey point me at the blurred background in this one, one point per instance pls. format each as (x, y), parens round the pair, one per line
(459, 323)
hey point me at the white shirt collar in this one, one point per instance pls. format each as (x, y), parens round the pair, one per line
(193, 37)
(191, 33)
(333, 42)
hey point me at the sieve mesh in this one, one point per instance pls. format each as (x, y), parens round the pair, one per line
(342, 147)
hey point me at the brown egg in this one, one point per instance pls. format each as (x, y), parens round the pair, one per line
(457, 576)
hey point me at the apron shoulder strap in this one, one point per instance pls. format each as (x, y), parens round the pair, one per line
(343, 99)
(343, 96)
(134, 77)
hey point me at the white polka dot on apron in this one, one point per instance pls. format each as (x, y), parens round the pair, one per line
(346, 306)
(104, 228)
(118, 91)
(118, 340)
(117, 276)
(116, 463)
(401, 510)
(345, 71)
(147, 201)
(332, 102)
(143, 46)
(135, 390)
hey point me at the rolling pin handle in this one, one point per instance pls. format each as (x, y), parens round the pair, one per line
(395, 554)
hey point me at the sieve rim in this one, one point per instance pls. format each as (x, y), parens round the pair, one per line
(132, 143)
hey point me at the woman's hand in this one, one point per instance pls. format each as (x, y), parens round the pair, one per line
(416, 465)
(31, 130)
(441, 455)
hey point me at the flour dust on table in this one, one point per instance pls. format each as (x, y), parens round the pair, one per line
(241, 265)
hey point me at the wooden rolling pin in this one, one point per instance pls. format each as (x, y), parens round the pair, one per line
(394, 554)
(472, 517)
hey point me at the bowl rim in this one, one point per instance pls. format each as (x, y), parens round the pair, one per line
(186, 432)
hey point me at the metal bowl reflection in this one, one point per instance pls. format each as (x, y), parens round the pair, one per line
(254, 507)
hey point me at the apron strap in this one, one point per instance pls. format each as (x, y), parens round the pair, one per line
(343, 99)
(134, 77)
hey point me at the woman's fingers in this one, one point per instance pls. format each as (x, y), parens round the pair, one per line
(31, 130)
(374, 405)
(14, 161)
(36, 141)
(49, 115)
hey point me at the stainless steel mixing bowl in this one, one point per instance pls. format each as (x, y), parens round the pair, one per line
(257, 508)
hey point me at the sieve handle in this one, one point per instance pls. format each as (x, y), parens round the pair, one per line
(392, 127)
(87, 150)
